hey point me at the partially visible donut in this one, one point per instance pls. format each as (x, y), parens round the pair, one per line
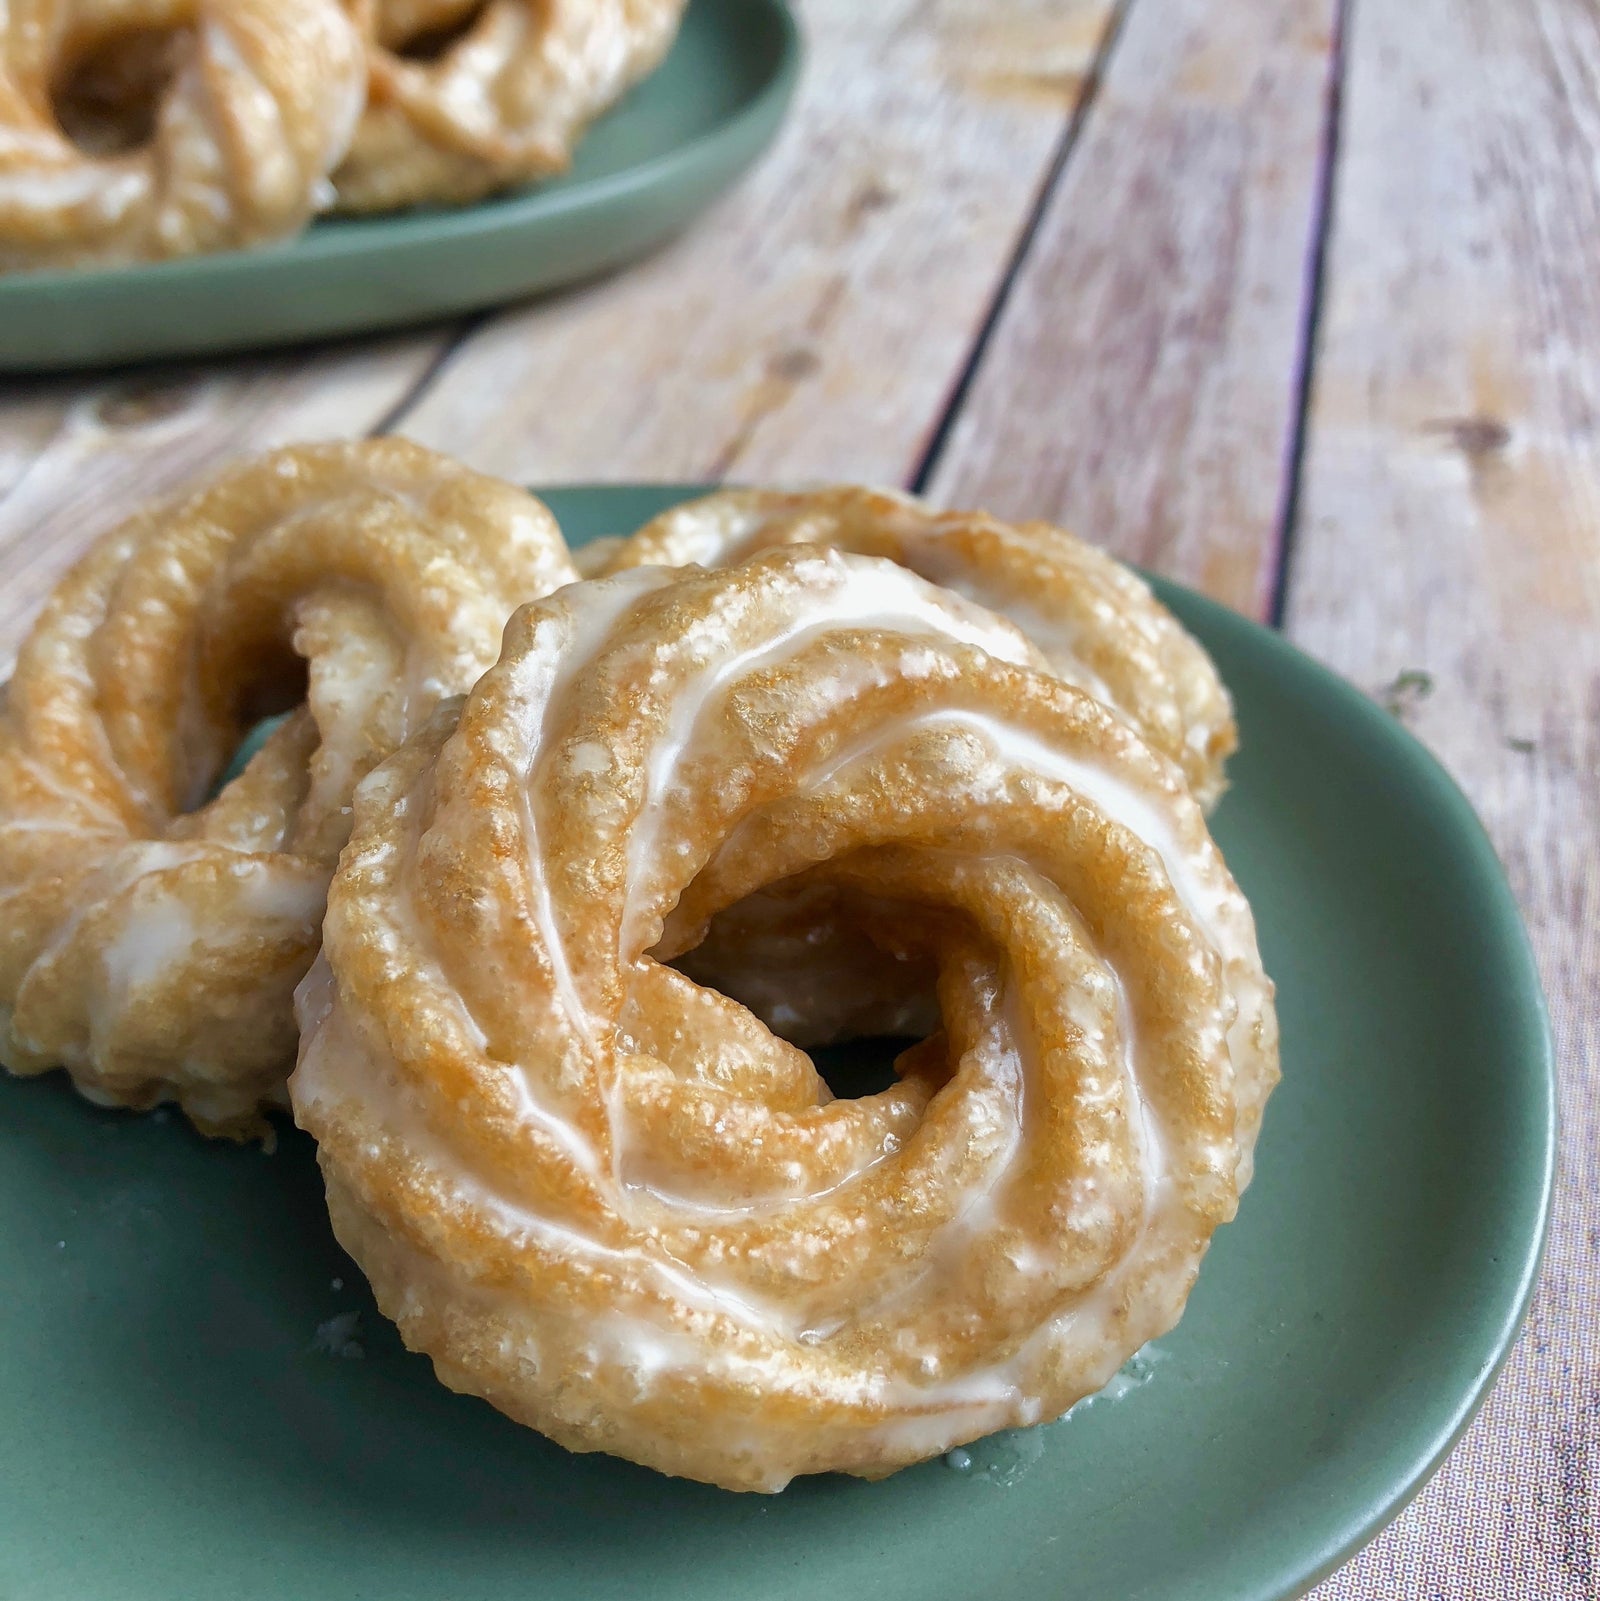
(500, 100)
(244, 107)
(150, 937)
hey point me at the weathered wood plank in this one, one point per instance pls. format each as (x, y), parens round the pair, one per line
(75, 454)
(815, 323)
(1141, 382)
(1450, 525)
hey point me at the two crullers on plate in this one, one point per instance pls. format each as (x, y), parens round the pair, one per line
(782, 768)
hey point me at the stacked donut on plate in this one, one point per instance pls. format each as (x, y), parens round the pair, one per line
(783, 768)
(139, 130)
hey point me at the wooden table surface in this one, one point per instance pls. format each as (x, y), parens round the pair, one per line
(1295, 300)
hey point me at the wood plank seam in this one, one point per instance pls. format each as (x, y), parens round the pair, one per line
(813, 325)
(1141, 385)
(1316, 284)
(456, 334)
(956, 399)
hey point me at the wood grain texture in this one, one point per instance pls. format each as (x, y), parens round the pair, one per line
(76, 455)
(814, 324)
(1141, 383)
(1450, 525)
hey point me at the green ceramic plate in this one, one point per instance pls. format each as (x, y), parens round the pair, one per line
(639, 176)
(172, 1425)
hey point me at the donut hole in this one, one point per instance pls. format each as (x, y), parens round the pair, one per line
(860, 1067)
(263, 705)
(280, 686)
(435, 41)
(822, 974)
(247, 748)
(107, 96)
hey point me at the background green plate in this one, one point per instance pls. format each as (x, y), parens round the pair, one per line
(172, 1425)
(640, 174)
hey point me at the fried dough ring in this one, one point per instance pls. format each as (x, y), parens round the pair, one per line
(151, 939)
(502, 104)
(261, 104)
(615, 1206)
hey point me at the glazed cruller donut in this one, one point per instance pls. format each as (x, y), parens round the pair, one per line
(152, 937)
(612, 1202)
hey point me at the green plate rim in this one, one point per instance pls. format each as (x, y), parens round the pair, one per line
(1445, 797)
(721, 151)
(1406, 1470)
(1381, 1463)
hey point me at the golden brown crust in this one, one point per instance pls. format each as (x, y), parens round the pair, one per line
(152, 938)
(260, 105)
(616, 1206)
(502, 103)
(1094, 619)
